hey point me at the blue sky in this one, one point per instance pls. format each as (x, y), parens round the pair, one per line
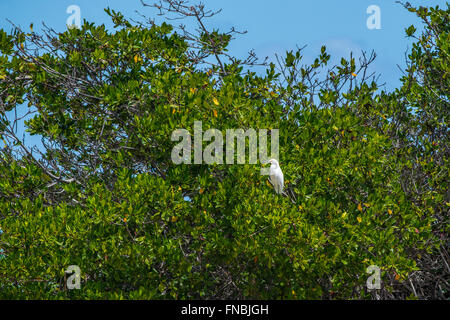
(273, 26)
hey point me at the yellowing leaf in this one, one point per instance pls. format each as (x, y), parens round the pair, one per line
(216, 102)
(136, 58)
(193, 90)
(354, 74)
(215, 113)
(173, 111)
(201, 191)
(125, 220)
(174, 219)
(389, 211)
(179, 188)
(359, 219)
(359, 207)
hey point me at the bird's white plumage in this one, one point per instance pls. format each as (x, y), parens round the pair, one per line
(276, 176)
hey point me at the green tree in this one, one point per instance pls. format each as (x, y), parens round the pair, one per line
(106, 196)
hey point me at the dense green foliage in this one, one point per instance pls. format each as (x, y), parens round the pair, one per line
(366, 171)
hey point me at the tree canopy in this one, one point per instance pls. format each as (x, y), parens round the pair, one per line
(366, 171)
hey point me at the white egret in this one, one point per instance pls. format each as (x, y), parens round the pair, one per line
(276, 176)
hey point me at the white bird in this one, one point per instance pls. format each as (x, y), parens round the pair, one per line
(276, 176)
